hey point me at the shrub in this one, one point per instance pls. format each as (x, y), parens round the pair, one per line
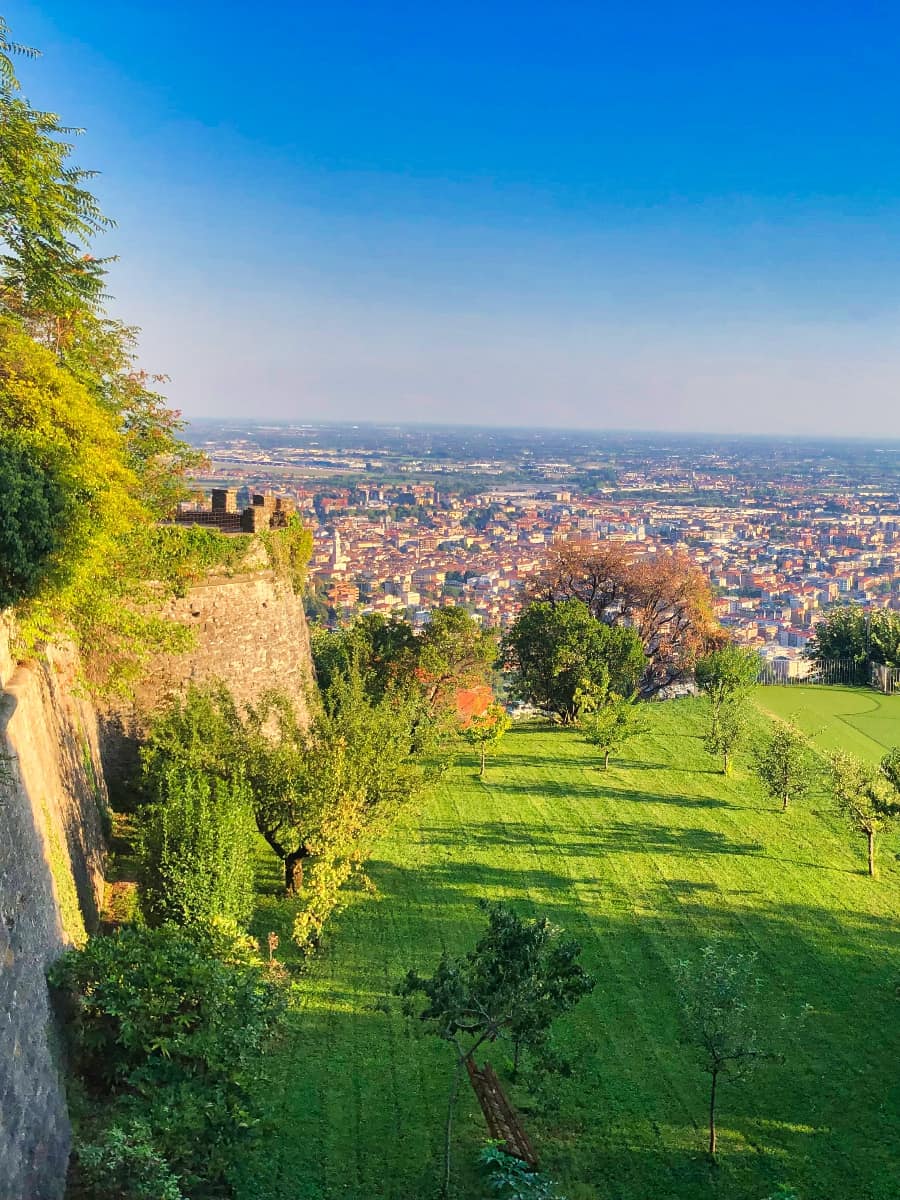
(122, 1164)
(511, 1179)
(163, 1029)
(201, 729)
(196, 849)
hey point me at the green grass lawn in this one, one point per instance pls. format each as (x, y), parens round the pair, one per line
(858, 720)
(644, 865)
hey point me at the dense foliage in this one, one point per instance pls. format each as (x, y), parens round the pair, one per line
(564, 661)
(511, 1179)
(122, 1163)
(169, 1029)
(319, 793)
(197, 849)
(452, 652)
(851, 633)
(91, 454)
(665, 598)
(33, 503)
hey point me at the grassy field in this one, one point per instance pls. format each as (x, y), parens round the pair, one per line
(643, 865)
(858, 720)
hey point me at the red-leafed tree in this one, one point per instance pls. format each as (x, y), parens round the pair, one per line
(664, 597)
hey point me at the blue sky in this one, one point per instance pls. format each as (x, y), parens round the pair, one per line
(612, 215)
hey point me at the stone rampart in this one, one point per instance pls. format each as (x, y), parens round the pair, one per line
(250, 632)
(51, 891)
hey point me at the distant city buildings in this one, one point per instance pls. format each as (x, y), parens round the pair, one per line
(779, 542)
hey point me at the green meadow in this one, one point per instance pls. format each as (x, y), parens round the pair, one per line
(858, 720)
(644, 865)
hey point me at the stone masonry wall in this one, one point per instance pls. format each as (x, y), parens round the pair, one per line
(54, 753)
(250, 632)
(51, 885)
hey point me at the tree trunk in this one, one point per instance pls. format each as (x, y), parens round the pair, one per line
(293, 871)
(448, 1128)
(870, 838)
(605, 760)
(518, 1047)
(725, 764)
(712, 1114)
(483, 754)
(784, 802)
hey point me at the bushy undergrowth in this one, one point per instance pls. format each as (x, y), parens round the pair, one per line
(168, 1030)
(196, 849)
(122, 1163)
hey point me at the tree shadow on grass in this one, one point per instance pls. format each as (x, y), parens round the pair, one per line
(617, 837)
(640, 765)
(606, 790)
(622, 1129)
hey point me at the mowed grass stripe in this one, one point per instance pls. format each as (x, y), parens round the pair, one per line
(643, 865)
(857, 720)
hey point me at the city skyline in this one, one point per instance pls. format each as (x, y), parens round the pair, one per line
(579, 218)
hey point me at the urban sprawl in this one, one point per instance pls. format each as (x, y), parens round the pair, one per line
(781, 533)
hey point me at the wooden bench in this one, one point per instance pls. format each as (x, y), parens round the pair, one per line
(503, 1121)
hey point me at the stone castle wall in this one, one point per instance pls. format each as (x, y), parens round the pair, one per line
(51, 889)
(250, 632)
(56, 758)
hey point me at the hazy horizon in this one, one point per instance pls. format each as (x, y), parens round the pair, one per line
(567, 216)
(508, 427)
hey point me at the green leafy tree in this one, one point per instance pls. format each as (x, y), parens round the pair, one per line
(726, 677)
(200, 730)
(722, 1001)
(564, 660)
(453, 652)
(727, 730)
(197, 849)
(843, 634)
(320, 793)
(664, 598)
(618, 721)
(852, 633)
(47, 216)
(884, 637)
(726, 673)
(785, 764)
(81, 408)
(519, 977)
(102, 355)
(865, 797)
(486, 731)
(122, 1163)
(383, 649)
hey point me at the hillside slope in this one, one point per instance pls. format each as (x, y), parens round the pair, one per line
(644, 865)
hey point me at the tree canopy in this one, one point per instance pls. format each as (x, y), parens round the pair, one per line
(564, 660)
(91, 454)
(850, 632)
(664, 598)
